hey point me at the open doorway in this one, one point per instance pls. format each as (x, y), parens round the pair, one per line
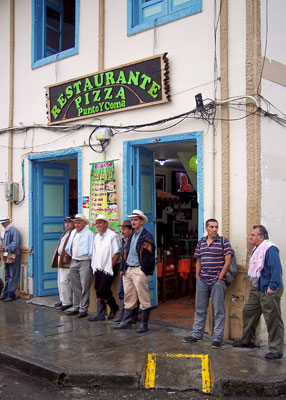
(178, 215)
(176, 227)
(55, 192)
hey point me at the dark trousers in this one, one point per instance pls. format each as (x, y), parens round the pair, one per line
(11, 277)
(261, 303)
(121, 290)
(102, 285)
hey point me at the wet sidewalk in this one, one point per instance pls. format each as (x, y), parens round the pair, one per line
(43, 341)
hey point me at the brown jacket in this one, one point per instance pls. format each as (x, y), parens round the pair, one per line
(65, 260)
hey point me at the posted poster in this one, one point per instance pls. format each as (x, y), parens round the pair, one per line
(103, 199)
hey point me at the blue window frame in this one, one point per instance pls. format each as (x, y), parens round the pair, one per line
(54, 30)
(145, 14)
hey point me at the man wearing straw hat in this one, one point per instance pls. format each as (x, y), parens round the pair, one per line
(10, 248)
(106, 252)
(79, 247)
(140, 262)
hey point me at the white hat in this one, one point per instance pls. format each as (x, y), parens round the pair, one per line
(81, 217)
(4, 218)
(102, 217)
(140, 214)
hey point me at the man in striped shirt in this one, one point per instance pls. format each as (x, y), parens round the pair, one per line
(213, 254)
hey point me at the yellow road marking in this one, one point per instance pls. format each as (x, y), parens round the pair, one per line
(151, 369)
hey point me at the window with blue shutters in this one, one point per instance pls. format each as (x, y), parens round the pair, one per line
(54, 30)
(145, 14)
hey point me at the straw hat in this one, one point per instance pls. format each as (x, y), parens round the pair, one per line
(81, 217)
(4, 218)
(102, 217)
(140, 214)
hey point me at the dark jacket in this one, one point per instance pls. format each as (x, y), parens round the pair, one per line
(145, 249)
(271, 275)
(12, 240)
(65, 259)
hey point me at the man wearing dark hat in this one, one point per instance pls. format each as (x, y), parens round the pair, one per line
(105, 256)
(126, 231)
(140, 262)
(10, 248)
(62, 261)
(79, 247)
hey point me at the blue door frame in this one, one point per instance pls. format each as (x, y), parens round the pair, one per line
(34, 159)
(131, 169)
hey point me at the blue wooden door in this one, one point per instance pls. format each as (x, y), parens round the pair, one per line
(51, 206)
(143, 198)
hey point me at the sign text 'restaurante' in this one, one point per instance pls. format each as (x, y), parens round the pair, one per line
(132, 85)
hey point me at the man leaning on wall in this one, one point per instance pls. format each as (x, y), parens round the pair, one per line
(265, 273)
(10, 248)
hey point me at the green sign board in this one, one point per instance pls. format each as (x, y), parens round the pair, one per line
(139, 84)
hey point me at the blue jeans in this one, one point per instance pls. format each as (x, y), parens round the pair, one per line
(11, 278)
(121, 290)
(203, 293)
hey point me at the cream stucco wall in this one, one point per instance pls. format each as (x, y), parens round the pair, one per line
(191, 47)
(273, 138)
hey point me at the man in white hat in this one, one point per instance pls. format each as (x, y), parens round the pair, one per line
(79, 247)
(10, 248)
(106, 246)
(140, 262)
(62, 261)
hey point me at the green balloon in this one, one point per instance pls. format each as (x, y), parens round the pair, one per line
(193, 163)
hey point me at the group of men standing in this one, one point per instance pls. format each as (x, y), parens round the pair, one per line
(80, 254)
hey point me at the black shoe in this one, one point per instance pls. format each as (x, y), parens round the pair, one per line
(100, 314)
(72, 312)
(273, 356)
(239, 344)
(144, 321)
(82, 315)
(63, 308)
(112, 313)
(59, 304)
(113, 308)
(216, 344)
(9, 299)
(127, 320)
(3, 297)
(191, 339)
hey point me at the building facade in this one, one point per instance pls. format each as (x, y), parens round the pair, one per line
(211, 89)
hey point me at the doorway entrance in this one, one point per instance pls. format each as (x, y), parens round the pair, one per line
(54, 192)
(176, 218)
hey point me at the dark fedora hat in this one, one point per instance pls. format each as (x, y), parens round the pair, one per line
(126, 223)
(68, 218)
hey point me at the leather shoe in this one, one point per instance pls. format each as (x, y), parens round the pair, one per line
(239, 344)
(63, 308)
(273, 356)
(82, 315)
(59, 304)
(72, 312)
(3, 297)
(9, 299)
(191, 339)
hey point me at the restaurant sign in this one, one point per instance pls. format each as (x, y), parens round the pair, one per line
(139, 84)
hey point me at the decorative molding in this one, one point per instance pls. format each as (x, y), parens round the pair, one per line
(253, 124)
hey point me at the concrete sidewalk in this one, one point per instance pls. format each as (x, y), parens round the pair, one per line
(43, 341)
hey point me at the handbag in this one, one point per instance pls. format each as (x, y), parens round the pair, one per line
(9, 258)
(232, 271)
